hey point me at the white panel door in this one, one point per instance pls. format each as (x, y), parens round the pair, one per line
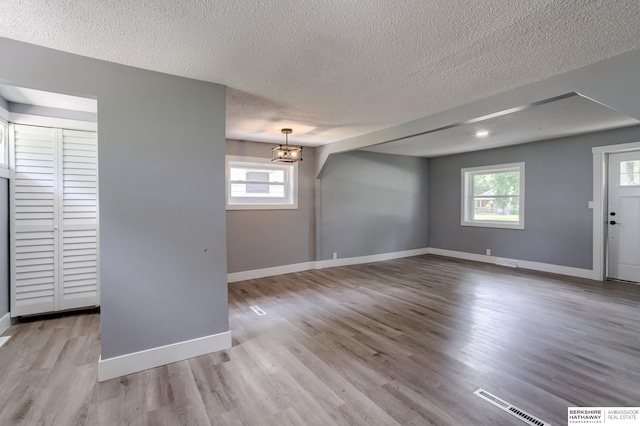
(79, 220)
(624, 216)
(34, 217)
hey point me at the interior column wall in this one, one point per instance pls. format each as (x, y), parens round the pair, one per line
(162, 212)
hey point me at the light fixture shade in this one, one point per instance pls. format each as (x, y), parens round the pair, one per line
(286, 153)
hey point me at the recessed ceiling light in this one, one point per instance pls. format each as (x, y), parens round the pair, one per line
(482, 133)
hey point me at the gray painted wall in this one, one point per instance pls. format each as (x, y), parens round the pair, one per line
(162, 211)
(558, 222)
(373, 203)
(4, 247)
(255, 237)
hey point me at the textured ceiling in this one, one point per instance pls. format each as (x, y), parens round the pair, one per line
(564, 117)
(335, 69)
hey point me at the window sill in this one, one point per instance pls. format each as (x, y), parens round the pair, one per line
(261, 207)
(494, 225)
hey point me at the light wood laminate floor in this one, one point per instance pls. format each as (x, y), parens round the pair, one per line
(397, 342)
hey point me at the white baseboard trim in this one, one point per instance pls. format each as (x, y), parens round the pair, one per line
(132, 363)
(5, 323)
(269, 272)
(556, 269)
(462, 255)
(298, 267)
(306, 266)
(524, 264)
(368, 259)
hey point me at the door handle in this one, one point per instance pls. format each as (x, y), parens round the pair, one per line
(613, 222)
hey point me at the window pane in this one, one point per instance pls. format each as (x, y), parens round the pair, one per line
(501, 183)
(244, 190)
(503, 209)
(630, 173)
(257, 177)
(276, 176)
(630, 166)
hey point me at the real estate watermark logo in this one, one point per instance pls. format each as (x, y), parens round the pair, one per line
(610, 416)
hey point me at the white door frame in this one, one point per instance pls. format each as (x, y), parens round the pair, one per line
(600, 157)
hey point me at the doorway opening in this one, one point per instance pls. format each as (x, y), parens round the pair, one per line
(52, 168)
(616, 212)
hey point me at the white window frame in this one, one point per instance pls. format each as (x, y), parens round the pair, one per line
(259, 203)
(467, 204)
(4, 144)
(4, 149)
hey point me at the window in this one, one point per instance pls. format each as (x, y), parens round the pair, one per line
(257, 183)
(4, 144)
(630, 173)
(493, 196)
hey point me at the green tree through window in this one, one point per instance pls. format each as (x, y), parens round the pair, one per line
(501, 190)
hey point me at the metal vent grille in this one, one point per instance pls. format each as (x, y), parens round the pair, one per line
(514, 411)
(257, 310)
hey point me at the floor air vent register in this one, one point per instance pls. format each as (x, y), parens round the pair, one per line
(257, 310)
(514, 411)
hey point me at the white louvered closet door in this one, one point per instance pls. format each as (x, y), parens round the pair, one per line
(78, 212)
(34, 218)
(54, 220)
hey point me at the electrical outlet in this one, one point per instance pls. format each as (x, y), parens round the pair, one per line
(335, 256)
(488, 252)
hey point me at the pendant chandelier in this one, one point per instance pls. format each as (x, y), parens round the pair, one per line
(286, 153)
